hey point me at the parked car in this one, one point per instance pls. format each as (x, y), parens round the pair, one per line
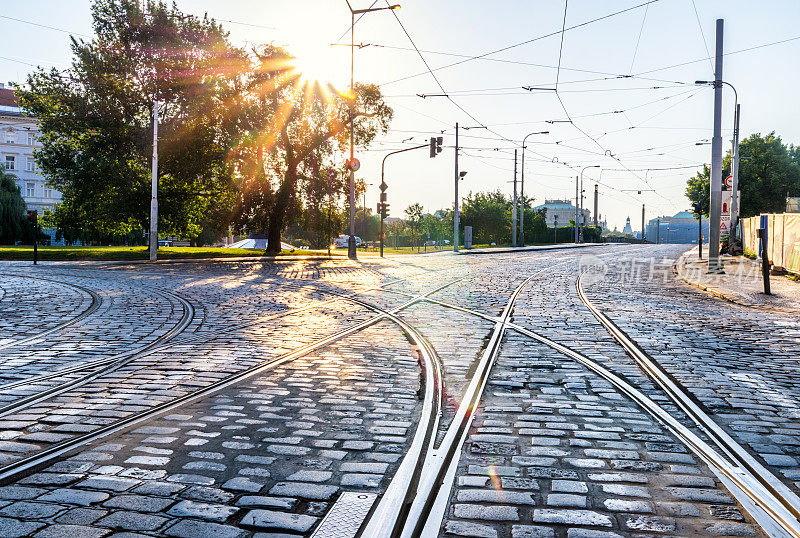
(342, 240)
(164, 243)
(430, 243)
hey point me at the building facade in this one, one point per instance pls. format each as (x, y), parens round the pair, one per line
(560, 212)
(19, 138)
(680, 228)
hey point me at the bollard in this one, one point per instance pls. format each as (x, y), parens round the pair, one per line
(762, 234)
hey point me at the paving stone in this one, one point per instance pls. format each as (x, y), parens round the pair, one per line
(571, 517)
(200, 510)
(71, 531)
(81, 516)
(113, 483)
(187, 528)
(132, 521)
(30, 510)
(495, 496)
(531, 531)
(75, 496)
(13, 528)
(729, 528)
(270, 519)
(465, 528)
(138, 503)
(490, 513)
(303, 491)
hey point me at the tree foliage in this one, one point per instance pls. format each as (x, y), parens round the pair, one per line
(769, 171)
(13, 220)
(292, 127)
(489, 214)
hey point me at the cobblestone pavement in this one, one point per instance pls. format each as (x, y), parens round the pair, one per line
(330, 393)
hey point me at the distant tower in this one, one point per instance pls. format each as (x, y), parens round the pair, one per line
(628, 229)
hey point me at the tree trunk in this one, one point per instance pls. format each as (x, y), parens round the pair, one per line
(276, 218)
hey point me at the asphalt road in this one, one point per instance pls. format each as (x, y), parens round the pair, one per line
(454, 395)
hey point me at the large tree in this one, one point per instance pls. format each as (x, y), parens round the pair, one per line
(13, 224)
(768, 172)
(294, 128)
(489, 214)
(96, 119)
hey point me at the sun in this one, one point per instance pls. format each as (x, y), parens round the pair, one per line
(318, 62)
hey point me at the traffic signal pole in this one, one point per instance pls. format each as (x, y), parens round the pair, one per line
(382, 205)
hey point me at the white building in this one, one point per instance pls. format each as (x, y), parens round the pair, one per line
(18, 139)
(561, 212)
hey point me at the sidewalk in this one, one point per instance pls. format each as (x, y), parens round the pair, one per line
(741, 283)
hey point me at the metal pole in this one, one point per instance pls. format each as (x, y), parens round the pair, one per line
(154, 189)
(714, 265)
(644, 230)
(514, 206)
(351, 241)
(658, 231)
(762, 234)
(580, 212)
(735, 173)
(595, 204)
(700, 237)
(522, 199)
(455, 204)
(576, 209)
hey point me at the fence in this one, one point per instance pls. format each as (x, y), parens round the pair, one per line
(783, 239)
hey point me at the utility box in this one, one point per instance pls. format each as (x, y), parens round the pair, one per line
(467, 236)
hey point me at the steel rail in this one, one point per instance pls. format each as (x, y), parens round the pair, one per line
(161, 345)
(767, 491)
(95, 303)
(111, 364)
(435, 465)
(774, 517)
(10, 471)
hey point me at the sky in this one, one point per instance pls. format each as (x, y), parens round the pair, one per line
(626, 81)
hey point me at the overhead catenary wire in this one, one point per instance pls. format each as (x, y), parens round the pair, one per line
(528, 41)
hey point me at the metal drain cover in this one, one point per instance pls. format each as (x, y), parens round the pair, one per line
(345, 517)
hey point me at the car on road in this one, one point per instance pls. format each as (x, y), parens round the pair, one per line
(341, 241)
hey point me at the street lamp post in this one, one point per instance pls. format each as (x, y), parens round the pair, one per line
(522, 189)
(351, 242)
(580, 235)
(734, 153)
(383, 181)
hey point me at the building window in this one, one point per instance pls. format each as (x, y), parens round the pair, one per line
(30, 164)
(10, 160)
(30, 189)
(48, 193)
(31, 139)
(10, 137)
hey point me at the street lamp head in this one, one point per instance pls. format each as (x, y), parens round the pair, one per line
(394, 6)
(703, 82)
(462, 174)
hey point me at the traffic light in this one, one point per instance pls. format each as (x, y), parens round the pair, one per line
(384, 210)
(33, 216)
(436, 145)
(698, 209)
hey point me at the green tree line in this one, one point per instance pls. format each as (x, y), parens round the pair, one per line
(243, 139)
(769, 171)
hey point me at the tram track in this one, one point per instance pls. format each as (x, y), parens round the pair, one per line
(12, 470)
(764, 495)
(771, 504)
(94, 304)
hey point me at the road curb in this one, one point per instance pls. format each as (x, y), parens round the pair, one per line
(528, 249)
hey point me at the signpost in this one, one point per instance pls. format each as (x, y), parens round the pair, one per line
(468, 237)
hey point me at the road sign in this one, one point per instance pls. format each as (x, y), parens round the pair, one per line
(353, 164)
(729, 182)
(383, 186)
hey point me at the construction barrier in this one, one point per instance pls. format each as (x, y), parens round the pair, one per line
(783, 239)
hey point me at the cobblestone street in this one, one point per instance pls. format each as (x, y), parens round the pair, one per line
(573, 393)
